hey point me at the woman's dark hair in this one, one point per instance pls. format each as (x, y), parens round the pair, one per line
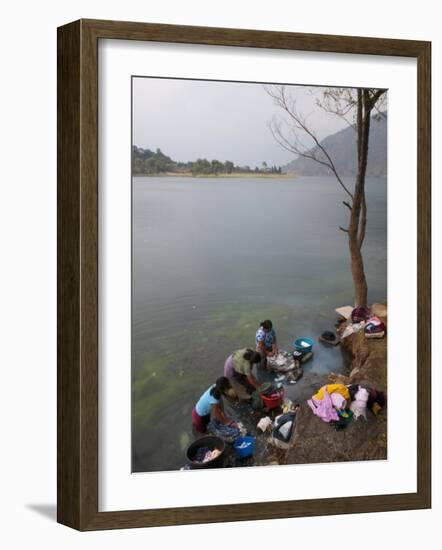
(222, 384)
(252, 356)
(267, 324)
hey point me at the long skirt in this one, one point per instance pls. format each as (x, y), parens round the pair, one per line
(200, 422)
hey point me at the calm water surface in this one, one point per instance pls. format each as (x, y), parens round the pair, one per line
(214, 257)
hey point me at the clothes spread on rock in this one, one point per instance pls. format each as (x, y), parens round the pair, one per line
(323, 407)
(353, 389)
(374, 328)
(333, 388)
(359, 405)
(360, 313)
(339, 402)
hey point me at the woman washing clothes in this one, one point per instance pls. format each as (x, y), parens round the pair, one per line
(238, 368)
(210, 406)
(266, 343)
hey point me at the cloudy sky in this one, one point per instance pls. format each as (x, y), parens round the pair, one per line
(190, 119)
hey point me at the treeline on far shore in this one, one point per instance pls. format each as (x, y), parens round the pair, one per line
(151, 163)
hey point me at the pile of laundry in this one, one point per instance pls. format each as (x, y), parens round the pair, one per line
(283, 362)
(288, 365)
(361, 318)
(338, 404)
(204, 454)
(225, 432)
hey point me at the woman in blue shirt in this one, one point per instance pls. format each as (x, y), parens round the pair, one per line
(266, 343)
(210, 405)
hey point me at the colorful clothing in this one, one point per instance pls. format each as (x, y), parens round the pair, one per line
(228, 433)
(229, 371)
(332, 388)
(200, 422)
(359, 405)
(205, 402)
(323, 407)
(339, 403)
(269, 338)
(241, 365)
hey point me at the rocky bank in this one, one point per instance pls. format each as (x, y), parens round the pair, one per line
(315, 441)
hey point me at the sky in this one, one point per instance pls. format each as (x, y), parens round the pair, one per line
(190, 119)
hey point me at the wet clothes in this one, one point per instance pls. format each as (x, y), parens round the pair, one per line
(228, 433)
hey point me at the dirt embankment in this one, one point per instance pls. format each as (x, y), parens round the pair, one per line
(316, 441)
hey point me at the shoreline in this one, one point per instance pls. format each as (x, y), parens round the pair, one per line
(312, 439)
(239, 175)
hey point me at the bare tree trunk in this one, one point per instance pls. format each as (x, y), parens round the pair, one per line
(365, 103)
(358, 273)
(358, 216)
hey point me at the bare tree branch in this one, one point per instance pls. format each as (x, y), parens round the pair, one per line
(299, 123)
(339, 102)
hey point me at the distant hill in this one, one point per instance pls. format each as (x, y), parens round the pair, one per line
(342, 149)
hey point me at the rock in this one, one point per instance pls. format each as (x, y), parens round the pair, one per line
(380, 310)
(338, 379)
(315, 441)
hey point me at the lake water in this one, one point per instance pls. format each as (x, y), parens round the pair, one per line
(214, 257)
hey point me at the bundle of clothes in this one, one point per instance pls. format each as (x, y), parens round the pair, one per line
(228, 433)
(288, 365)
(283, 362)
(338, 404)
(362, 319)
(204, 454)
